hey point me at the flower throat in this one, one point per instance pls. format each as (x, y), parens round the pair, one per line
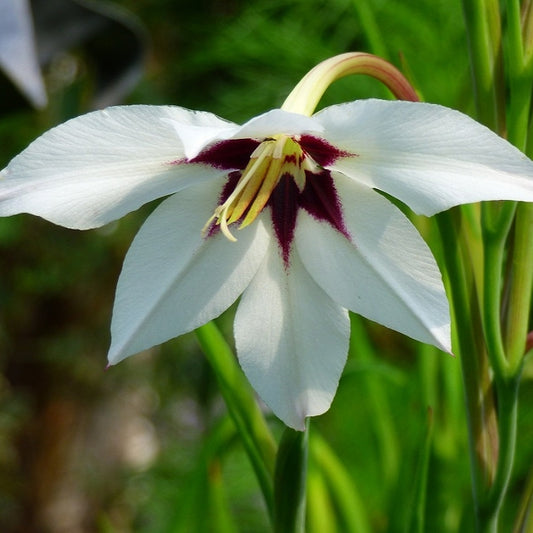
(269, 162)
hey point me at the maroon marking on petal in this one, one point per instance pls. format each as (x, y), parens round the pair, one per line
(283, 203)
(321, 151)
(319, 198)
(227, 155)
(231, 182)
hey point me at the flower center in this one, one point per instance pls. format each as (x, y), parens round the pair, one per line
(270, 161)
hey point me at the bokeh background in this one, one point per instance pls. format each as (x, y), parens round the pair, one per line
(134, 447)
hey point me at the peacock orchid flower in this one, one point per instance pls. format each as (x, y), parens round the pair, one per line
(285, 212)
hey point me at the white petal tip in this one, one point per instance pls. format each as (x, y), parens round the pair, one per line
(116, 356)
(301, 426)
(298, 423)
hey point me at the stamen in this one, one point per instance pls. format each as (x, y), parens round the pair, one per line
(250, 191)
(272, 159)
(271, 179)
(224, 211)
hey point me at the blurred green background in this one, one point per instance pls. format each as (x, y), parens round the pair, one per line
(137, 447)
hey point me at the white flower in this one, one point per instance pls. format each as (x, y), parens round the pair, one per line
(313, 237)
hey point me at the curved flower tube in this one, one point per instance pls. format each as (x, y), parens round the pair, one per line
(283, 211)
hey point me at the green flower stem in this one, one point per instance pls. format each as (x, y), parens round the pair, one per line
(520, 81)
(518, 114)
(482, 21)
(519, 52)
(505, 349)
(519, 70)
(243, 409)
(496, 222)
(507, 423)
(514, 42)
(290, 482)
(468, 345)
(472, 234)
(506, 355)
(521, 288)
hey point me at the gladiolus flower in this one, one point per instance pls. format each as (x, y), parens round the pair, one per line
(284, 211)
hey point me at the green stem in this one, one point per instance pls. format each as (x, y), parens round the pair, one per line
(507, 424)
(518, 115)
(469, 346)
(514, 42)
(519, 71)
(290, 482)
(496, 222)
(521, 288)
(484, 42)
(242, 407)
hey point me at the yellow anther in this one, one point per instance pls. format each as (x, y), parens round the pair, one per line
(249, 192)
(271, 160)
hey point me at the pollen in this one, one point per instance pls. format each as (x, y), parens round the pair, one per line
(271, 160)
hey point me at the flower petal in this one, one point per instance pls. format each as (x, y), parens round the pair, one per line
(292, 340)
(100, 166)
(197, 129)
(428, 156)
(386, 273)
(173, 279)
(273, 122)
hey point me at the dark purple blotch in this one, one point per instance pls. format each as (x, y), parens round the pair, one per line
(319, 196)
(227, 155)
(321, 151)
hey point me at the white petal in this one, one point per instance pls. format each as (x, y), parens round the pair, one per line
(292, 340)
(198, 129)
(428, 156)
(100, 166)
(273, 122)
(173, 280)
(386, 273)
